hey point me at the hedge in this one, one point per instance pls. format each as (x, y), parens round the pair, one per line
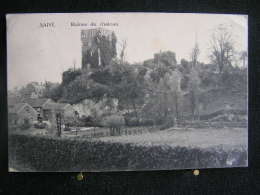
(59, 154)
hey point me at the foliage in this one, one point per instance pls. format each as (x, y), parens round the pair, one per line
(194, 91)
(52, 90)
(194, 55)
(167, 58)
(25, 125)
(55, 154)
(114, 120)
(164, 97)
(150, 91)
(70, 75)
(32, 88)
(40, 125)
(222, 48)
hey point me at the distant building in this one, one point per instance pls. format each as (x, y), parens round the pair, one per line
(98, 47)
(21, 113)
(37, 103)
(50, 109)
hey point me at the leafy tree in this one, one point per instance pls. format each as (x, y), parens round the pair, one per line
(167, 58)
(194, 92)
(30, 89)
(130, 90)
(185, 66)
(52, 90)
(70, 75)
(164, 98)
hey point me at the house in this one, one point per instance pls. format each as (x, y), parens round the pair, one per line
(21, 113)
(51, 108)
(37, 103)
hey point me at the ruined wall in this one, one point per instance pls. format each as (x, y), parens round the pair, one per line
(98, 47)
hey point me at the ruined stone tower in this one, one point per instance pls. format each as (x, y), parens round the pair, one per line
(98, 47)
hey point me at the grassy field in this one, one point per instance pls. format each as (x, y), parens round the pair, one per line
(139, 150)
(202, 138)
(147, 136)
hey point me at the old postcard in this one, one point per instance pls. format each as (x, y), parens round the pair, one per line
(127, 91)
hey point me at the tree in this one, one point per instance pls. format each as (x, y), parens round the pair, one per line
(194, 91)
(123, 51)
(222, 48)
(130, 90)
(167, 58)
(32, 89)
(162, 104)
(194, 55)
(173, 81)
(70, 75)
(243, 57)
(51, 90)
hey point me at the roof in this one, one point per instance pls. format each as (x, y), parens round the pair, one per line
(15, 108)
(36, 102)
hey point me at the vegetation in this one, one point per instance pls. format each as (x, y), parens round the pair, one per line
(159, 90)
(85, 155)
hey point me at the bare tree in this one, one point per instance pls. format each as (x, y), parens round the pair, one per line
(122, 53)
(222, 48)
(243, 57)
(194, 55)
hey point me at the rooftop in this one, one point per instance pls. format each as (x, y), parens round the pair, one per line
(36, 102)
(15, 108)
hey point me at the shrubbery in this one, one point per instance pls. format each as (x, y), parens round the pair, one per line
(49, 154)
(25, 125)
(40, 125)
(114, 122)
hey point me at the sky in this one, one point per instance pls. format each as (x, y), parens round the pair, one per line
(41, 54)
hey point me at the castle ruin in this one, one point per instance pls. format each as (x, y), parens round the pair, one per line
(98, 48)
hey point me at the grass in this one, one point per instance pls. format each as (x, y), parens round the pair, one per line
(168, 149)
(202, 138)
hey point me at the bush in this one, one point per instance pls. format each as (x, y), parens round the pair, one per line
(40, 125)
(25, 125)
(114, 121)
(168, 123)
(131, 122)
(49, 154)
(88, 121)
(75, 123)
(67, 128)
(147, 122)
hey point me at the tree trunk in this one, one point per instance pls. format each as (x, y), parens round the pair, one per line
(135, 111)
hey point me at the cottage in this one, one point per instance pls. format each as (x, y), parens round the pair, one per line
(21, 113)
(52, 108)
(37, 103)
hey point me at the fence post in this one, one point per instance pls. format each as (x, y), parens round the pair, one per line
(58, 120)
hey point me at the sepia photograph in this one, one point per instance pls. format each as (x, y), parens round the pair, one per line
(99, 92)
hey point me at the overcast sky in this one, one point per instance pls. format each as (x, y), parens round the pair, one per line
(39, 54)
